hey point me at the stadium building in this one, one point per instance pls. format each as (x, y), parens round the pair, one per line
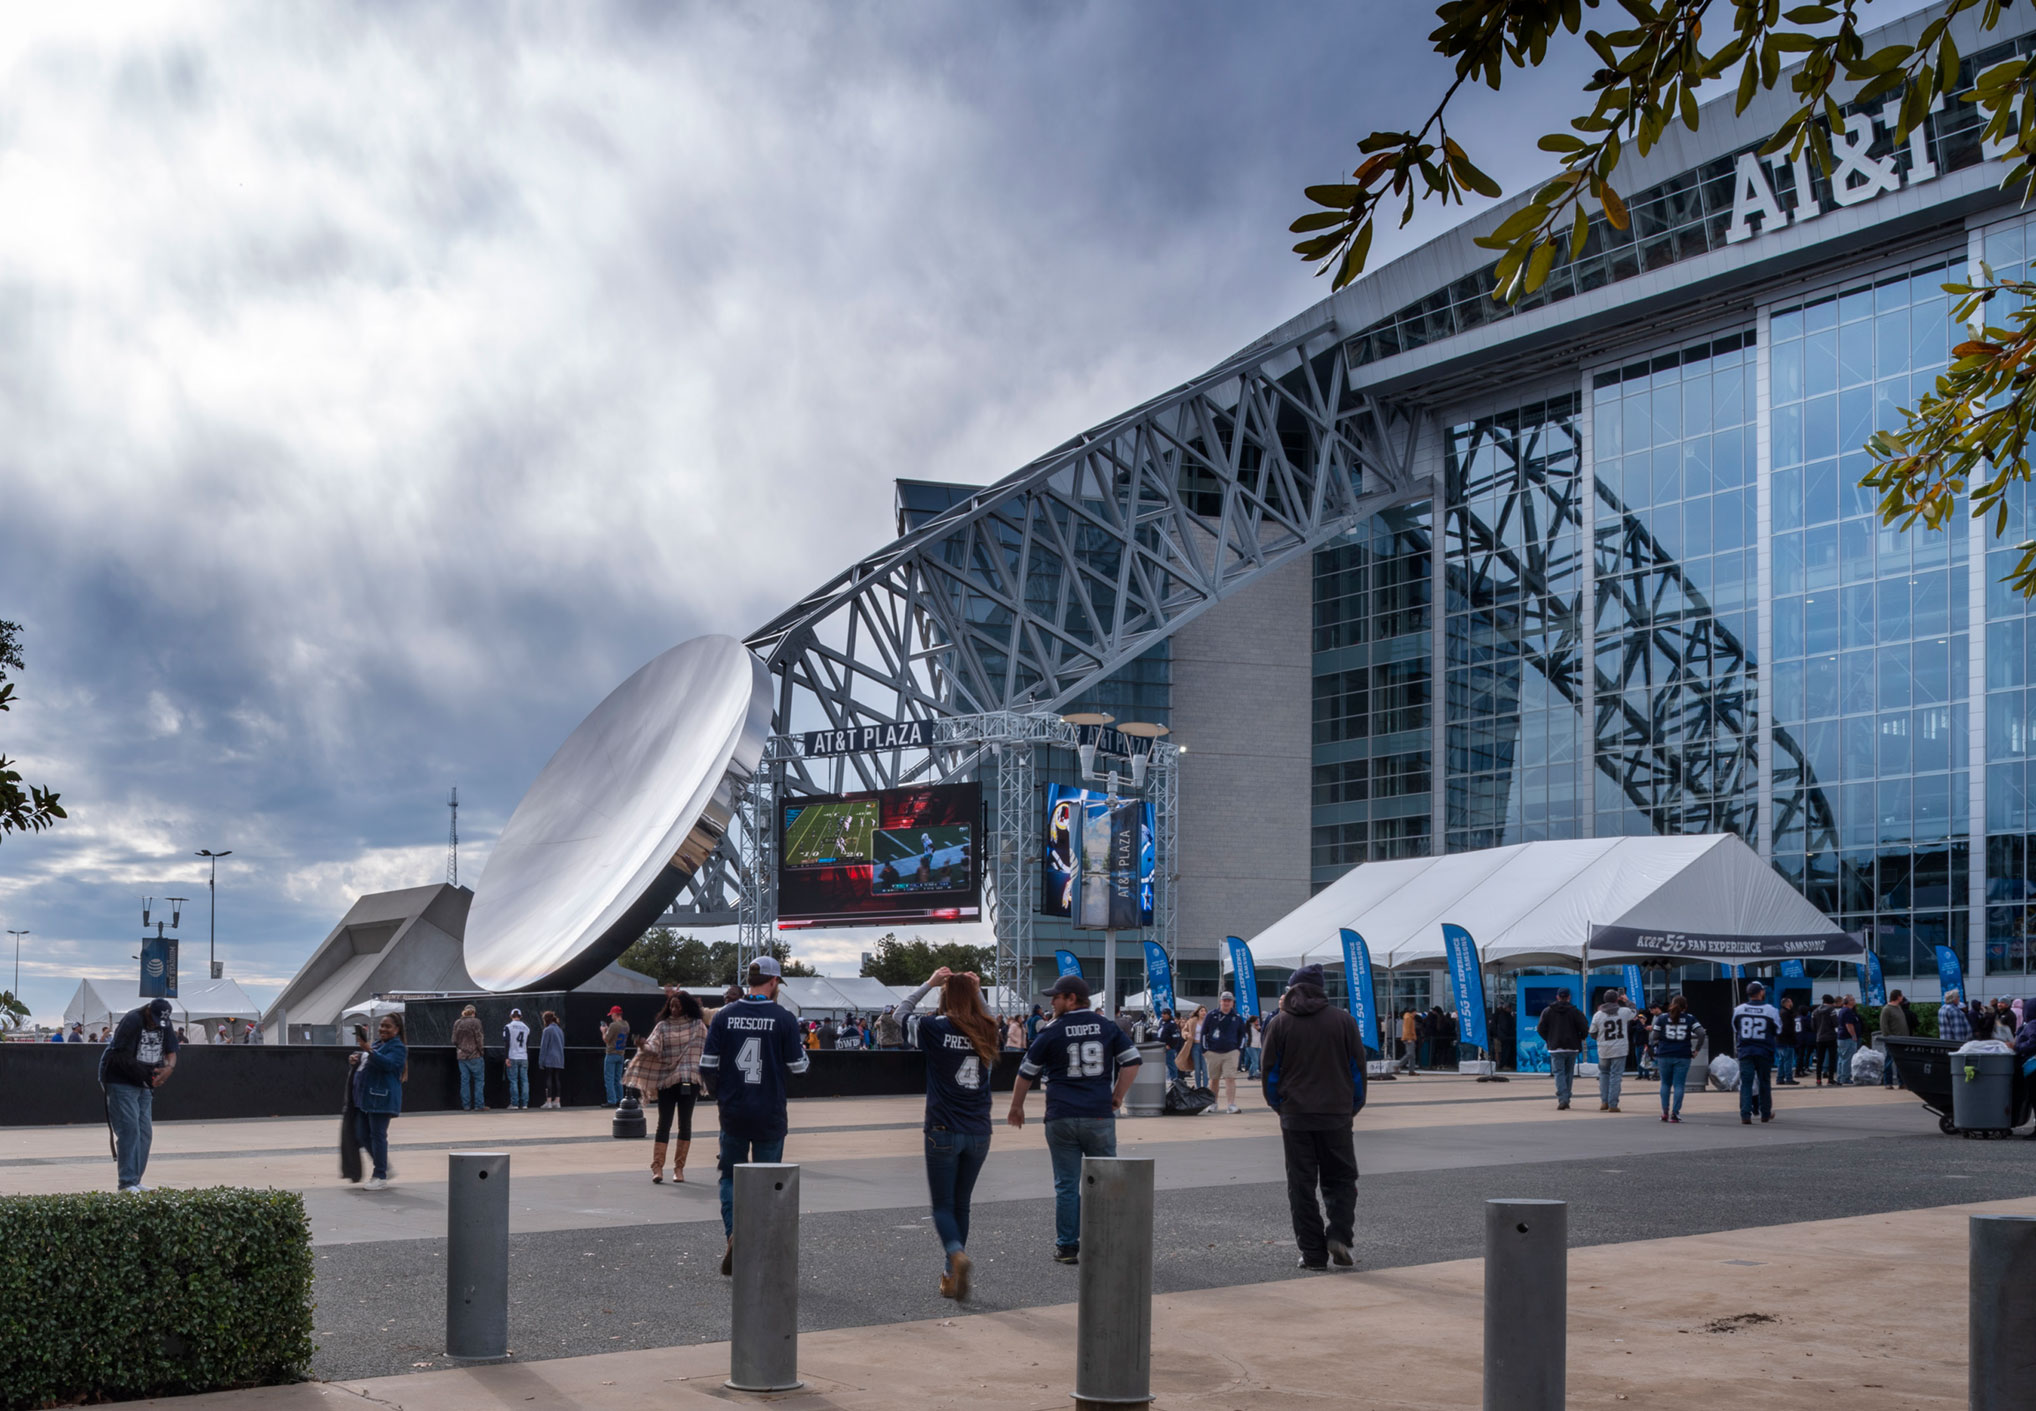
(1418, 572)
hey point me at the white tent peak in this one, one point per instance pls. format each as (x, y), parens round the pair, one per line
(1694, 897)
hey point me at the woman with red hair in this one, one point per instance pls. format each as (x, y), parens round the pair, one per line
(960, 1044)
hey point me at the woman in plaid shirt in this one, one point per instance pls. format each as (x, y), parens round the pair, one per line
(668, 1063)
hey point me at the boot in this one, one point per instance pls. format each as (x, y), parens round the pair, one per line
(679, 1161)
(657, 1164)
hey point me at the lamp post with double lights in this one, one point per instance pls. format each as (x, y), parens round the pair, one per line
(17, 959)
(212, 889)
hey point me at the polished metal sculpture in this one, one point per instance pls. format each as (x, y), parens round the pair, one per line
(632, 804)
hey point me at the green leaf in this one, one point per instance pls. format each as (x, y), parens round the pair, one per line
(1561, 142)
(1318, 220)
(1538, 267)
(1341, 196)
(1353, 260)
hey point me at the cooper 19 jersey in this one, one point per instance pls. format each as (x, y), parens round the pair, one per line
(752, 1044)
(1079, 1055)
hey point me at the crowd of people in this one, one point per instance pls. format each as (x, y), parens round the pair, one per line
(1309, 1053)
(243, 1031)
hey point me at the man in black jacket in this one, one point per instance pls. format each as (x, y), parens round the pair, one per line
(1562, 1027)
(1314, 1078)
(131, 1068)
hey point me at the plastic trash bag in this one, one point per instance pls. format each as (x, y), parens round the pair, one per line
(1984, 1046)
(1867, 1066)
(1725, 1073)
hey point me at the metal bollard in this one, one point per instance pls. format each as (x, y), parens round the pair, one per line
(2001, 1308)
(1113, 1322)
(477, 1256)
(763, 1342)
(1526, 1304)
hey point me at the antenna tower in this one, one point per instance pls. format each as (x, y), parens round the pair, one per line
(452, 843)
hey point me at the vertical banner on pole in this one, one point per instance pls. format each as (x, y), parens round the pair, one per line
(1467, 982)
(159, 967)
(1876, 983)
(1357, 980)
(1950, 974)
(1636, 986)
(1067, 962)
(1247, 977)
(1159, 977)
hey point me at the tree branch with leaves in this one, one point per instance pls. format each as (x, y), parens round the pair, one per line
(32, 808)
(1972, 432)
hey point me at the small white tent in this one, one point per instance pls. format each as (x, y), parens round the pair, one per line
(1707, 897)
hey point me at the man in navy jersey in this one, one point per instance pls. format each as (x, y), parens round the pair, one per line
(1756, 1028)
(752, 1045)
(1087, 1063)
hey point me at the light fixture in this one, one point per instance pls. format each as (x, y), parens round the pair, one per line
(1148, 733)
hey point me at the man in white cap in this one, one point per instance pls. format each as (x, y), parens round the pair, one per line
(516, 1059)
(752, 1047)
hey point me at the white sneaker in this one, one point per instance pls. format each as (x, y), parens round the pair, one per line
(1231, 1108)
(132, 1190)
(375, 1183)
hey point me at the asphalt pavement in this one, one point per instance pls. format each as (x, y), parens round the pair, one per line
(381, 1304)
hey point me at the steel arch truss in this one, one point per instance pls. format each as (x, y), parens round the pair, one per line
(1035, 588)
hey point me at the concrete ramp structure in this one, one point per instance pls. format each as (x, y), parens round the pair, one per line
(406, 941)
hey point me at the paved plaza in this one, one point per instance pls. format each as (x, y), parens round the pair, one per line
(1764, 1255)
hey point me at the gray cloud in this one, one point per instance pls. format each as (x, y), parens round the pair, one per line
(380, 385)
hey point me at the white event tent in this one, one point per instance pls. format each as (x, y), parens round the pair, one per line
(99, 1002)
(1706, 897)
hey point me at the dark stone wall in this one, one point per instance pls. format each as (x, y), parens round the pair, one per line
(45, 1084)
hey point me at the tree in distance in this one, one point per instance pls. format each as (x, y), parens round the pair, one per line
(672, 959)
(896, 962)
(34, 808)
(1969, 437)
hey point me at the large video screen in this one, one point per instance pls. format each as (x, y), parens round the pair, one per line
(880, 858)
(1098, 860)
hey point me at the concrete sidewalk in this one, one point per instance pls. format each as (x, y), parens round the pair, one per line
(1770, 1317)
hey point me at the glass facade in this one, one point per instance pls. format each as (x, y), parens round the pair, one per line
(1673, 454)
(1871, 648)
(1373, 732)
(2010, 696)
(1881, 750)
(1515, 767)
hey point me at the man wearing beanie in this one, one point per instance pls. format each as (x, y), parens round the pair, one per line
(1314, 1078)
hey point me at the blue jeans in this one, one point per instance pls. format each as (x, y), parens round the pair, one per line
(473, 1083)
(1201, 1067)
(1563, 1065)
(1785, 1064)
(1675, 1073)
(1846, 1048)
(519, 1081)
(1756, 1070)
(953, 1161)
(1068, 1140)
(1610, 1071)
(132, 1112)
(1251, 1063)
(612, 1065)
(371, 1131)
(737, 1151)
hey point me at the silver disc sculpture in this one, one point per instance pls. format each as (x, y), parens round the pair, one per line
(631, 805)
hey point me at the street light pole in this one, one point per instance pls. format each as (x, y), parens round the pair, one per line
(212, 888)
(17, 960)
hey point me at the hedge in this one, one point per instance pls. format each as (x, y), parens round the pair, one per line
(109, 1297)
(1925, 1015)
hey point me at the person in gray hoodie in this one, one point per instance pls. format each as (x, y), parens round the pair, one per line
(1314, 1078)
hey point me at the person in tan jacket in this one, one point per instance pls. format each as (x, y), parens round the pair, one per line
(470, 1046)
(1410, 1040)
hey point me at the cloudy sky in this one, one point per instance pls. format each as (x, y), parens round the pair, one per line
(380, 385)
